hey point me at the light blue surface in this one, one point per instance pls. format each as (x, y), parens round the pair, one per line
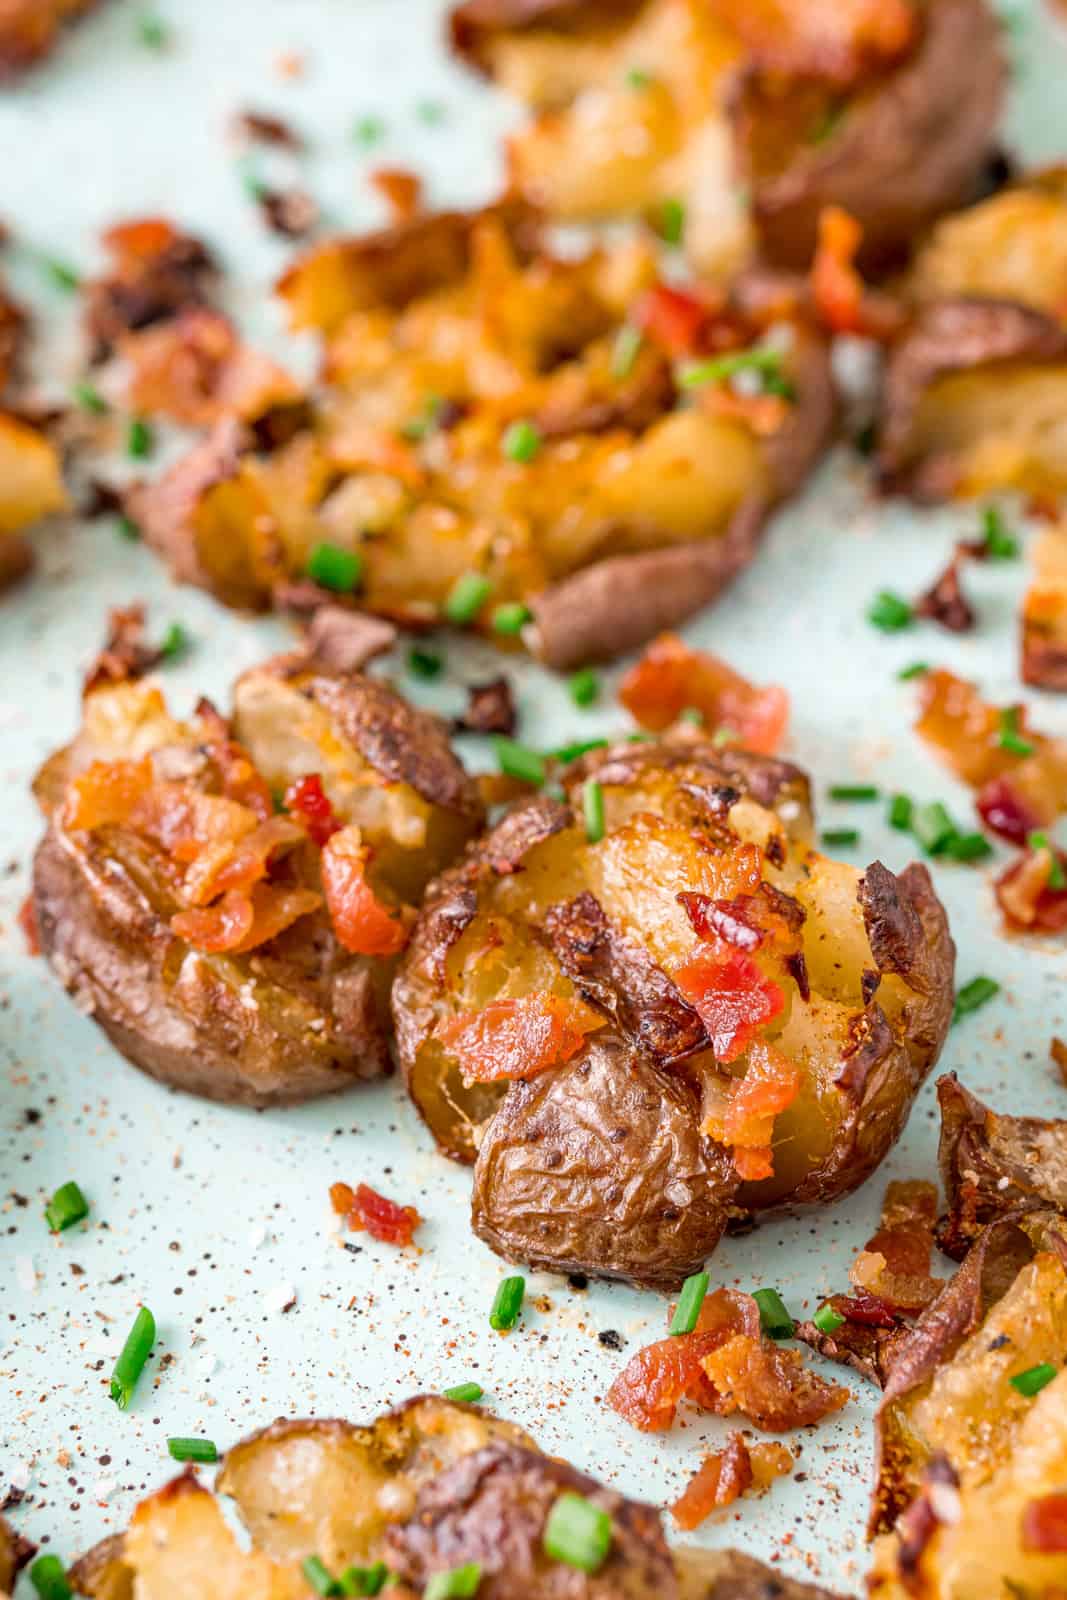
(212, 1216)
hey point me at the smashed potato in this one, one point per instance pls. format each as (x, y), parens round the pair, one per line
(227, 898)
(696, 1016)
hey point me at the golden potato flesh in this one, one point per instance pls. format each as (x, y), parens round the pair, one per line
(1010, 247)
(545, 954)
(31, 482)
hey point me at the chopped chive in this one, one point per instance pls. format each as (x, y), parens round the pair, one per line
(933, 827)
(251, 182)
(140, 440)
(1034, 1379)
(693, 715)
(840, 838)
(88, 397)
(624, 351)
(368, 130)
(968, 847)
(423, 663)
(128, 529)
(1000, 544)
(174, 643)
(720, 368)
(578, 1533)
(889, 612)
(363, 1580)
(510, 619)
(638, 78)
(570, 752)
(917, 670)
(774, 1318)
(335, 568)
(507, 1303)
(690, 1301)
(854, 791)
(62, 274)
(134, 1354)
(593, 810)
(457, 1584)
(973, 995)
(318, 1575)
(204, 1450)
(1057, 878)
(152, 32)
(721, 737)
(829, 122)
(672, 221)
(901, 809)
(430, 112)
(827, 1320)
(49, 1579)
(467, 1393)
(584, 687)
(1009, 737)
(467, 597)
(519, 761)
(67, 1206)
(521, 441)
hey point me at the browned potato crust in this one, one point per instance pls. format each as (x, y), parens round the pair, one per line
(294, 1017)
(15, 1551)
(732, 1575)
(605, 1162)
(1012, 246)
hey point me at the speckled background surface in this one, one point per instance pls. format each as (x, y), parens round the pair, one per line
(217, 1218)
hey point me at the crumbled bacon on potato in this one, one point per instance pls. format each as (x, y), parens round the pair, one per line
(518, 1038)
(671, 678)
(1044, 1525)
(841, 299)
(838, 40)
(365, 1210)
(894, 1264)
(309, 801)
(363, 923)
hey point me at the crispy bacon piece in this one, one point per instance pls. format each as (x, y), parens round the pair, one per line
(841, 299)
(308, 800)
(732, 996)
(748, 920)
(839, 41)
(400, 188)
(362, 923)
(106, 792)
(673, 319)
(868, 1350)
(894, 1265)
(266, 129)
(770, 1085)
(518, 1038)
(183, 822)
(290, 213)
(243, 920)
(196, 370)
(365, 1210)
(1044, 1525)
(945, 602)
(126, 655)
(1026, 896)
(239, 779)
(490, 708)
(723, 1478)
(156, 271)
(670, 677)
(27, 921)
(239, 864)
(770, 1386)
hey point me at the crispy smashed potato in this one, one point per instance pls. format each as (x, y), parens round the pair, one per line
(1012, 246)
(693, 1017)
(479, 418)
(884, 108)
(31, 481)
(423, 1490)
(227, 899)
(972, 1430)
(30, 30)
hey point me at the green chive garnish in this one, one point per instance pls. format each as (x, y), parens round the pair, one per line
(774, 1318)
(638, 78)
(418, 427)
(521, 441)
(968, 847)
(519, 761)
(140, 440)
(570, 752)
(690, 1301)
(251, 182)
(423, 663)
(88, 397)
(467, 597)
(889, 612)
(917, 670)
(625, 350)
(1034, 1379)
(510, 619)
(152, 32)
(853, 791)
(1000, 545)
(62, 274)
(128, 529)
(840, 838)
(458, 1584)
(130, 1364)
(1009, 737)
(368, 130)
(431, 112)
(584, 687)
(318, 1575)
(507, 1303)
(578, 1532)
(204, 1450)
(973, 995)
(720, 368)
(900, 812)
(49, 1579)
(720, 738)
(363, 1580)
(466, 1393)
(593, 809)
(933, 827)
(174, 643)
(1057, 879)
(335, 568)
(672, 221)
(827, 1320)
(67, 1206)
(693, 715)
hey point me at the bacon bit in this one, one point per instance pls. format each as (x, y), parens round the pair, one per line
(838, 40)
(183, 822)
(894, 1265)
(673, 319)
(365, 1210)
(763, 414)
(290, 64)
(769, 1087)
(238, 865)
(195, 370)
(27, 921)
(1044, 1525)
(156, 272)
(490, 708)
(265, 129)
(290, 213)
(671, 677)
(841, 299)
(770, 1386)
(945, 602)
(311, 804)
(747, 920)
(362, 923)
(1004, 812)
(240, 921)
(106, 793)
(125, 656)
(723, 1478)
(1025, 897)
(239, 779)
(400, 188)
(518, 1038)
(1058, 1051)
(732, 997)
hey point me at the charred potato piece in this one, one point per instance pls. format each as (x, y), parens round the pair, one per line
(968, 1462)
(584, 1139)
(189, 920)
(654, 498)
(993, 1166)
